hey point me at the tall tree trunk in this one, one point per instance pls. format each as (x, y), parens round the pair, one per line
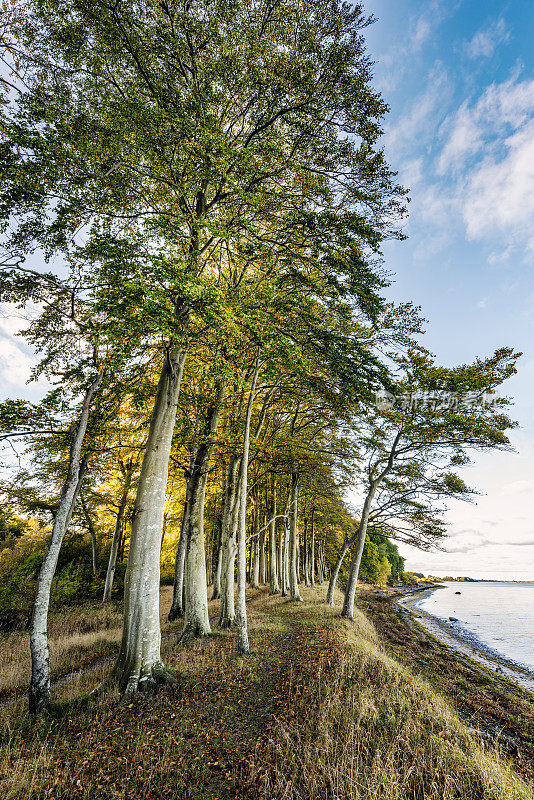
(274, 586)
(282, 559)
(294, 593)
(92, 533)
(312, 547)
(241, 601)
(335, 571)
(263, 560)
(359, 538)
(285, 561)
(255, 578)
(216, 593)
(39, 694)
(229, 545)
(305, 547)
(139, 666)
(117, 534)
(320, 563)
(176, 610)
(196, 619)
(263, 555)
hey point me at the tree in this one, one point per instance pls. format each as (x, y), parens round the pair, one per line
(175, 136)
(411, 449)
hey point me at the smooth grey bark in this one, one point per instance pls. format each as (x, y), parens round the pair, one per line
(282, 560)
(229, 545)
(320, 563)
(117, 533)
(274, 587)
(262, 559)
(196, 618)
(359, 538)
(312, 547)
(216, 593)
(255, 576)
(305, 546)
(241, 602)
(92, 533)
(294, 593)
(285, 560)
(39, 693)
(176, 610)
(335, 571)
(139, 666)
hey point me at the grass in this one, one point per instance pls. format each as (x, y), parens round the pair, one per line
(318, 710)
(78, 637)
(485, 701)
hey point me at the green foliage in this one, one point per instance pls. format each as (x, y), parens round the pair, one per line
(11, 528)
(374, 567)
(389, 551)
(410, 578)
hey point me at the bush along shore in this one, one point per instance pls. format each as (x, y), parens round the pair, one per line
(322, 707)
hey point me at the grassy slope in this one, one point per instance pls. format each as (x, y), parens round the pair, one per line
(485, 701)
(319, 710)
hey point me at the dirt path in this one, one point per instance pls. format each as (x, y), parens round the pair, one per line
(93, 665)
(201, 740)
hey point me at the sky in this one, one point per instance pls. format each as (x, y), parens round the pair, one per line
(459, 78)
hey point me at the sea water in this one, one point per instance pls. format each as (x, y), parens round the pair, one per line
(499, 615)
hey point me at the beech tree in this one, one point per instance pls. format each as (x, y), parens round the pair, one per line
(174, 135)
(412, 447)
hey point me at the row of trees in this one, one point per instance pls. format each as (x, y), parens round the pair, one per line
(205, 179)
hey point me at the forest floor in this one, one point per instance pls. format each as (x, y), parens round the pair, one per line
(319, 710)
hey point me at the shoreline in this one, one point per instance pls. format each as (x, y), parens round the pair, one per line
(459, 640)
(495, 706)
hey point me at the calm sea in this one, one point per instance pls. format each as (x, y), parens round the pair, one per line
(499, 615)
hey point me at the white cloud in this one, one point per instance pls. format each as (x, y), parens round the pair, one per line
(15, 364)
(421, 30)
(422, 119)
(489, 153)
(411, 173)
(500, 192)
(465, 139)
(486, 40)
(16, 358)
(502, 109)
(418, 31)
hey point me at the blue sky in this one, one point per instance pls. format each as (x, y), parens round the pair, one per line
(459, 79)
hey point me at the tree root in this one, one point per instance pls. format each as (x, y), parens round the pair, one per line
(226, 624)
(147, 683)
(191, 632)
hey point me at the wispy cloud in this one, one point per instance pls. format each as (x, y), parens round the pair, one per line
(418, 32)
(424, 115)
(487, 39)
(489, 155)
(15, 364)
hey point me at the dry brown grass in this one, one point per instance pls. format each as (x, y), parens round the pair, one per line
(364, 728)
(77, 636)
(317, 712)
